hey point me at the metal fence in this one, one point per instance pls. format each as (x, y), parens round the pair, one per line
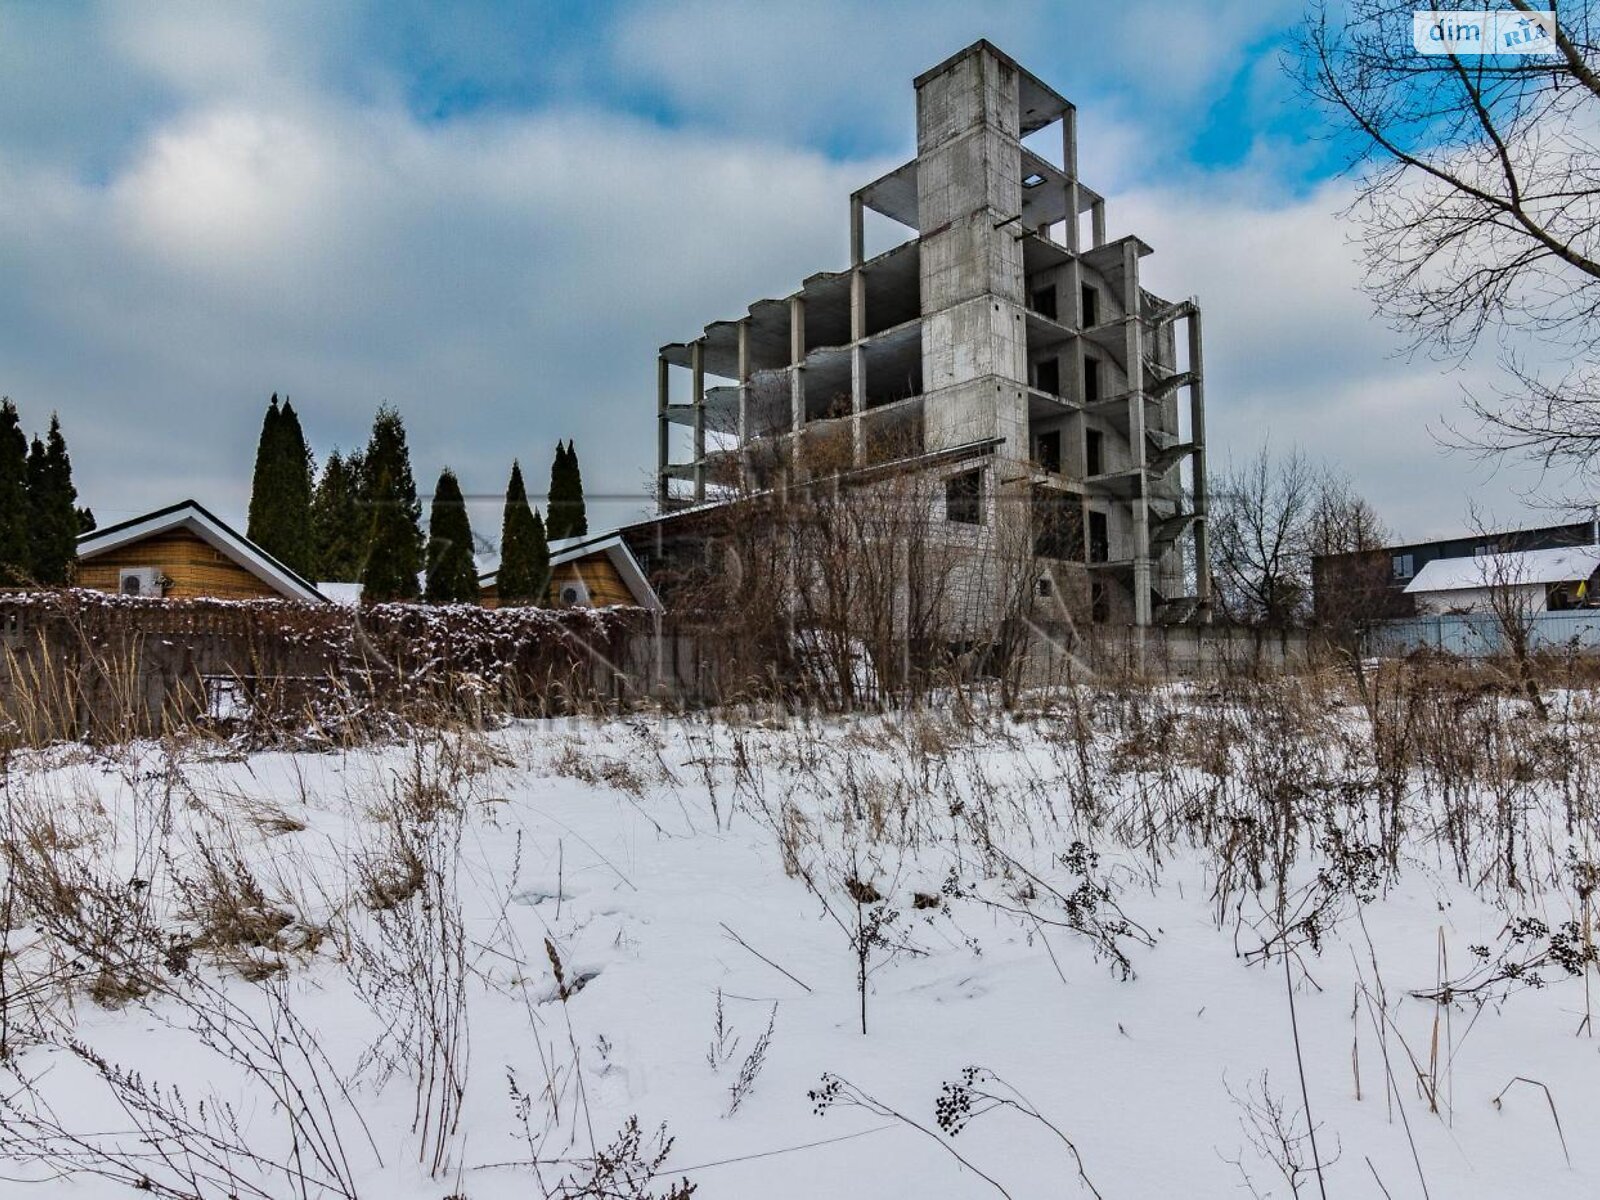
(1479, 635)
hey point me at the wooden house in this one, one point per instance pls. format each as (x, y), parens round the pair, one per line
(184, 552)
(587, 572)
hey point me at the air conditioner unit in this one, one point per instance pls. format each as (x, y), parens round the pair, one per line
(574, 593)
(139, 581)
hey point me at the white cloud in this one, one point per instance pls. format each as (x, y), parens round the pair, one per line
(1295, 354)
(504, 281)
(203, 51)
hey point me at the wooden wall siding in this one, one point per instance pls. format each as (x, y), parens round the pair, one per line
(194, 567)
(596, 572)
(604, 582)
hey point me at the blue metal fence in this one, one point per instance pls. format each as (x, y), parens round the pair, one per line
(1478, 635)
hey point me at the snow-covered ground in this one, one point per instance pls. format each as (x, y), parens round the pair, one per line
(1050, 913)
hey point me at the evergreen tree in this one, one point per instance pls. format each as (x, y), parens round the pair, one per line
(524, 553)
(578, 522)
(393, 553)
(86, 521)
(280, 490)
(567, 517)
(16, 558)
(340, 523)
(452, 573)
(389, 571)
(294, 543)
(262, 501)
(53, 525)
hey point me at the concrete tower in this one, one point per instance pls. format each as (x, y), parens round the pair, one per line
(1007, 340)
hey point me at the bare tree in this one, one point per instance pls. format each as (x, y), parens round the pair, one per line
(1350, 572)
(1260, 516)
(1512, 602)
(833, 582)
(1478, 193)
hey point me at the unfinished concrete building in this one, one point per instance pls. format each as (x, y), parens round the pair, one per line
(1008, 342)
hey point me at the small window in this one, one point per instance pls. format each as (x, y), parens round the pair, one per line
(1047, 375)
(1043, 302)
(1050, 451)
(963, 498)
(1094, 452)
(1091, 306)
(1402, 566)
(1046, 588)
(1091, 380)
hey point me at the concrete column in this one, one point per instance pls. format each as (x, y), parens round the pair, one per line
(697, 364)
(744, 405)
(1069, 165)
(858, 362)
(1097, 218)
(797, 378)
(1197, 434)
(663, 391)
(1133, 326)
(858, 238)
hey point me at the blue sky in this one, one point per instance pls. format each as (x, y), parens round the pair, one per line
(491, 214)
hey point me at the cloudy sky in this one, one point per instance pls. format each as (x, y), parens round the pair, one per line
(490, 215)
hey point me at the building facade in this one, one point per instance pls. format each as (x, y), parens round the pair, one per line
(1006, 338)
(183, 552)
(1383, 577)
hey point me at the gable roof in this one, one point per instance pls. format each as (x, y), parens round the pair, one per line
(1521, 568)
(191, 516)
(567, 550)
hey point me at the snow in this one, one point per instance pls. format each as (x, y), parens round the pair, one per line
(651, 855)
(346, 595)
(1563, 564)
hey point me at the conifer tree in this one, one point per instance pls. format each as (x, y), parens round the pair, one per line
(386, 574)
(555, 498)
(53, 524)
(16, 559)
(567, 517)
(339, 521)
(524, 552)
(294, 545)
(578, 522)
(262, 479)
(452, 572)
(280, 490)
(393, 553)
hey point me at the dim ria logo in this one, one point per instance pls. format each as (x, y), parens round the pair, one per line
(1504, 31)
